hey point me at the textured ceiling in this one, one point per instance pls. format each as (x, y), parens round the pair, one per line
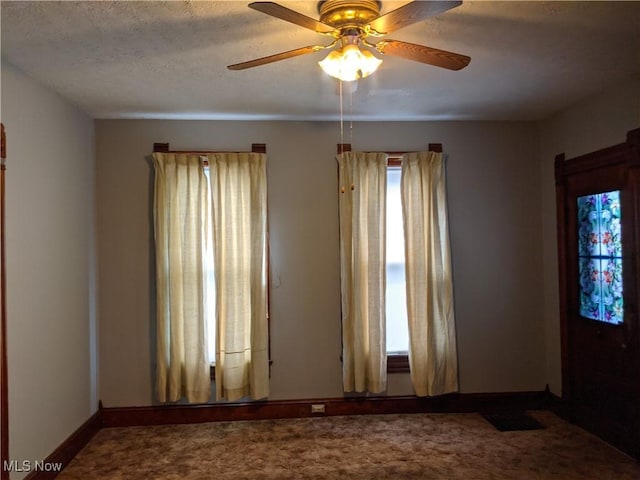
(168, 60)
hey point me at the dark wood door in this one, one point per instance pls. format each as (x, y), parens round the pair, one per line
(598, 198)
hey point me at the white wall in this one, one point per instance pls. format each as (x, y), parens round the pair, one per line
(50, 267)
(597, 122)
(495, 230)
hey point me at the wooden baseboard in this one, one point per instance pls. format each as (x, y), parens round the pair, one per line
(51, 467)
(452, 403)
(274, 409)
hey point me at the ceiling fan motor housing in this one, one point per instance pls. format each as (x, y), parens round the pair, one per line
(348, 13)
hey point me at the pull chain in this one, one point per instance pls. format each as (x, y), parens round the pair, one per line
(351, 114)
(341, 118)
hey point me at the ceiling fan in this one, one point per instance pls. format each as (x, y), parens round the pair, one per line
(351, 22)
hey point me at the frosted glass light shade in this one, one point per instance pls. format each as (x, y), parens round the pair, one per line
(350, 63)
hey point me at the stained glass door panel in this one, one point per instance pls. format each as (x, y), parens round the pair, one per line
(600, 257)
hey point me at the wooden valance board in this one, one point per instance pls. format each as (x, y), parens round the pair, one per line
(432, 147)
(394, 157)
(165, 148)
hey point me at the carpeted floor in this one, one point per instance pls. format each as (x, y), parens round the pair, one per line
(395, 447)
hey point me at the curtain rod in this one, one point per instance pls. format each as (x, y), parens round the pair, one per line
(164, 148)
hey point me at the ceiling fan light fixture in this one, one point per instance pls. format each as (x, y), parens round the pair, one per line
(349, 63)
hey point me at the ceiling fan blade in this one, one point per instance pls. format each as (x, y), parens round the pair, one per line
(410, 13)
(275, 58)
(284, 13)
(420, 53)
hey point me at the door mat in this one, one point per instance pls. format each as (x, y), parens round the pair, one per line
(509, 422)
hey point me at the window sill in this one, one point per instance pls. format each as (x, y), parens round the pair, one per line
(398, 364)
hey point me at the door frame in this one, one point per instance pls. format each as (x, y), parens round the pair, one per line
(4, 380)
(625, 155)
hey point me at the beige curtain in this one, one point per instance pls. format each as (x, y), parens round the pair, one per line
(239, 205)
(432, 335)
(363, 187)
(181, 208)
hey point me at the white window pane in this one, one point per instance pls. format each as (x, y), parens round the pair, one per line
(395, 233)
(210, 294)
(397, 325)
(396, 298)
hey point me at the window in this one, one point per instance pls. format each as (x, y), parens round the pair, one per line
(396, 296)
(364, 187)
(205, 224)
(600, 257)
